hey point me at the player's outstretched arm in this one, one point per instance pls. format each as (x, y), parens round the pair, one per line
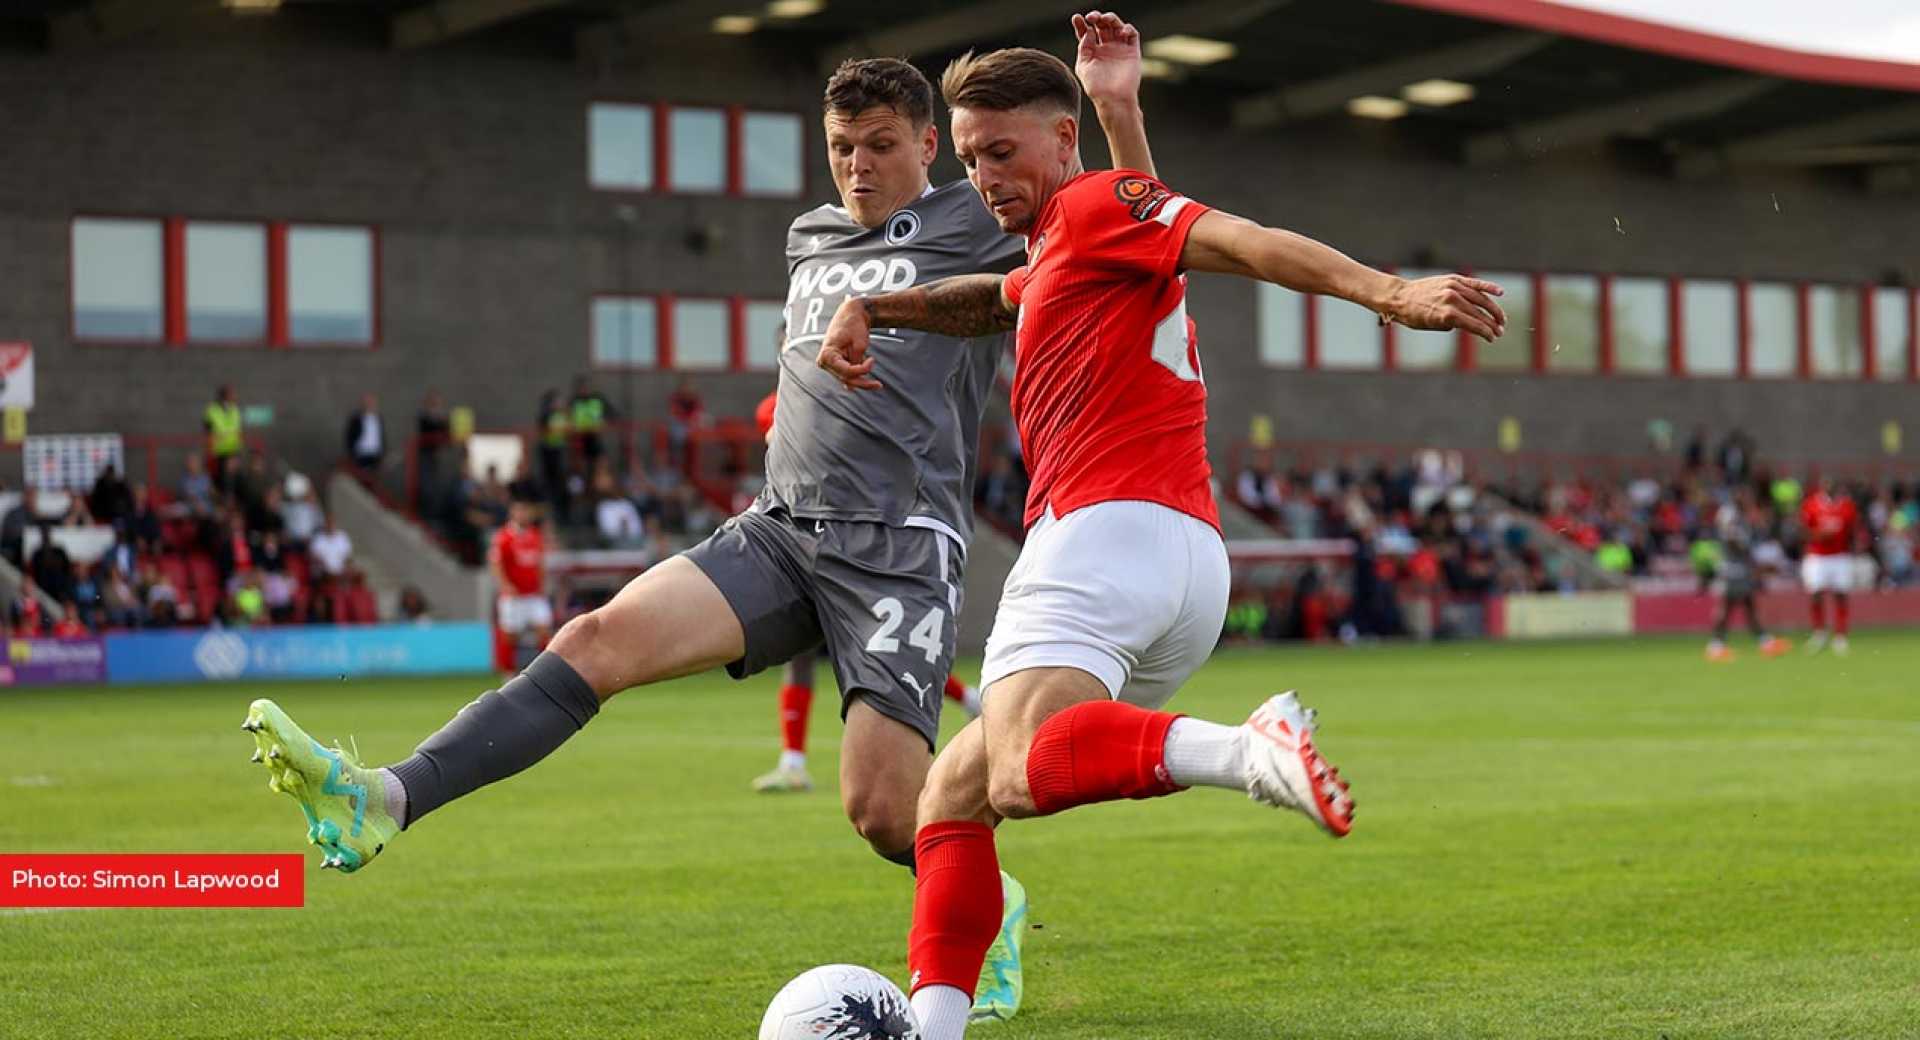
(1107, 61)
(962, 306)
(1226, 244)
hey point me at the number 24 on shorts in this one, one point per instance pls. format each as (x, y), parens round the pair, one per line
(924, 637)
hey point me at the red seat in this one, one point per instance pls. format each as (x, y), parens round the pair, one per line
(174, 568)
(360, 608)
(299, 568)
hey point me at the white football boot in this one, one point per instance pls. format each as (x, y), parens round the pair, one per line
(1285, 770)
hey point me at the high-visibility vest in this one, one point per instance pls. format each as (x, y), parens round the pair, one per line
(589, 414)
(224, 422)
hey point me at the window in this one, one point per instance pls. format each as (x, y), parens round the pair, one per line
(1641, 333)
(1573, 323)
(1281, 315)
(1833, 329)
(702, 334)
(330, 298)
(1773, 320)
(226, 282)
(1415, 349)
(697, 150)
(1710, 327)
(1512, 352)
(626, 332)
(1891, 332)
(1349, 334)
(620, 146)
(119, 288)
(766, 333)
(771, 163)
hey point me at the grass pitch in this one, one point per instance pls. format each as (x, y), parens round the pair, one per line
(1569, 840)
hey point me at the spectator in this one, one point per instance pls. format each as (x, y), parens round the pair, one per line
(588, 414)
(50, 566)
(70, 626)
(615, 517)
(119, 600)
(142, 528)
(1696, 456)
(1256, 489)
(524, 487)
(13, 527)
(111, 501)
(162, 599)
(225, 434)
(554, 432)
(686, 412)
(366, 439)
(25, 615)
(1736, 456)
(299, 513)
(433, 430)
(331, 548)
(246, 602)
(234, 554)
(250, 490)
(413, 605)
(196, 489)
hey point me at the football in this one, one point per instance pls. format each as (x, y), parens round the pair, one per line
(839, 1002)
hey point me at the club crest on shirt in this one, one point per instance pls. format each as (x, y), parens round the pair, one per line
(1142, 197)
(902, 226)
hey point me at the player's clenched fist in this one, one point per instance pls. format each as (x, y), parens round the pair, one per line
(1448, 302)
(843, 353)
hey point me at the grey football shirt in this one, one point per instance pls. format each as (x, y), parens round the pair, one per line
(904, 455)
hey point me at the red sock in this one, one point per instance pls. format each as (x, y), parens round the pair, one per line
(956, 904)
(1097, 752)
(795, 702)
(956, 690)
(504, 645)
(1842, 615)
(1819, 613)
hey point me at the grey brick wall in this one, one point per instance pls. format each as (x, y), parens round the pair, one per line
(471, 161)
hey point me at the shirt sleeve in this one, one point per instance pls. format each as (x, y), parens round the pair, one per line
(1016, 284)
(1126, 221)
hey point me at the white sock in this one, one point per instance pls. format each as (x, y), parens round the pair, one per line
(942, 1011)
(970, 700)
(396, 795)
(790, 759)
(1201, 753)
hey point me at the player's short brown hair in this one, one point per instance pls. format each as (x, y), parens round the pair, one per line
(1008, 79)
(863, 83)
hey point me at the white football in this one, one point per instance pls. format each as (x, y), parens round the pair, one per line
(840, 1002)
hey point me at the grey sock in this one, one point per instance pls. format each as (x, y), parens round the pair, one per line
(498, 735)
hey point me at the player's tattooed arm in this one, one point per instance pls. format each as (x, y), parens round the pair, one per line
(1107, 61)
(1226, 244)
(963, 306)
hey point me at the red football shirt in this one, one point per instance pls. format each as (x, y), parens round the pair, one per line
(1108, 394)
(522, 552)
(1829, 520)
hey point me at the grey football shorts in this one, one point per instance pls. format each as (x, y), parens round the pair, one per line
(884, 601)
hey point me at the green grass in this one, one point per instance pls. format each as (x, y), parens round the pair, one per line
(1568, 840)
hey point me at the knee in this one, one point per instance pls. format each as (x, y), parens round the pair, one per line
(1007, 790)
(578, 644)
(885, 820)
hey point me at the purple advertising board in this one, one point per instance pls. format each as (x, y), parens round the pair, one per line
(38, 662)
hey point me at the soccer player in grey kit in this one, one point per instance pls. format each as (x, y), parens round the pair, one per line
(857, 542)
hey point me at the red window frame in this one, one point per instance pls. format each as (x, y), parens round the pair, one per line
(183, 266)
(167, 288)
(732, 143)
(279, 315)
(662, 328)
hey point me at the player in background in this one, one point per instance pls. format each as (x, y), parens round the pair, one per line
(796, 688)
(858, 540)
(517, 560)
(1121, 586)
(1833, 529)
(1740, 576)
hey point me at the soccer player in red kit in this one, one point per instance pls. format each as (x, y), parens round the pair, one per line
(796, 687)
(517, 558)
(1121, 586)
(1832, 524)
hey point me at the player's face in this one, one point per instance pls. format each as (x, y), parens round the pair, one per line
(1016, 159)
(879, 161)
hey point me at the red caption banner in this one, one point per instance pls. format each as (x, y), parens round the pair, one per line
(67, 879)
